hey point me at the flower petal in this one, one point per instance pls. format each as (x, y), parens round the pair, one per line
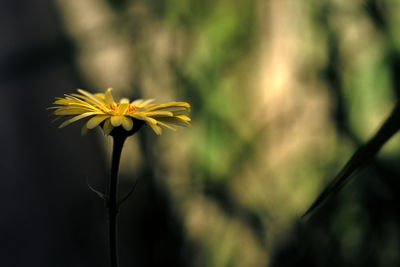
(62, 101)
(84, 115)
(91, 97)
(127, 123)
(124, 100)
(108, 97)
(62, 111)
(96, 120)
(76, 100)
(116, 120)
(169, 105)
(166, 125)
(175, 110)
(142, 102)
(183, 117)
(174, 121)
(143, 117)
(157, 129)
(160, 113)
(100, 95)
(107, 127)
(122, 108)
(137, 102)
(147, 102)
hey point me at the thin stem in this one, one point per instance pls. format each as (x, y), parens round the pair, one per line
(113, 194)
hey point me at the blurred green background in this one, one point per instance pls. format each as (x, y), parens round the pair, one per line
(282, 93)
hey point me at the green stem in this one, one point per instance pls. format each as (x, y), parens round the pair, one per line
(113, 194)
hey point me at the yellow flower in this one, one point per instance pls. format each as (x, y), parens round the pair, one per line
(104, 111)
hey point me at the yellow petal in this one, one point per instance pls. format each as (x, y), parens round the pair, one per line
(71, 111)
(157, 129)
(166, 125)
(100, 95)
(96, 120)
(183, 117)
(116, 120)
(146, 102)
(127, 123)
(122, 108)
(143, 117)
(137, 102)
(57, 118)
(124, 101)
(84, 115)
(160, 113)
(107, 127)
(81, 101)
(142, 102)
(169, 105)
(173, 109)
(108, 97)
(174, 121)
(62, 101)
(91, 97)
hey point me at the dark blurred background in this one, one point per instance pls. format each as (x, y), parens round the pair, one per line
(282, 93)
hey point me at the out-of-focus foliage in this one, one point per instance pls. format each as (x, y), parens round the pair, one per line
(282, 92)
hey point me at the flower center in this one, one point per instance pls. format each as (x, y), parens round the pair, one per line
(132, 108)
(113, 108)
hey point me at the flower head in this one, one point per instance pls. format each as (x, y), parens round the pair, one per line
(104, 111)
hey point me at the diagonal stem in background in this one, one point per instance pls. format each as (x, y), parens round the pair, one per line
(360, 158)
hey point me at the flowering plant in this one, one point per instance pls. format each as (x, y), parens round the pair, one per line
(120, 120)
